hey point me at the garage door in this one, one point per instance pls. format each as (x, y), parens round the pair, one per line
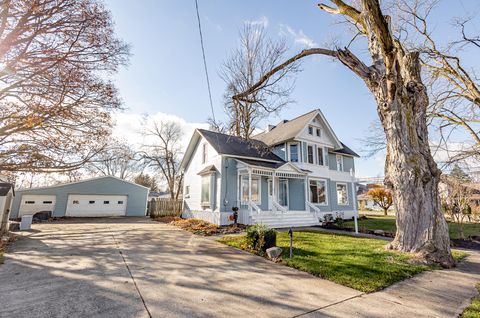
(33, 203)
(96, 205)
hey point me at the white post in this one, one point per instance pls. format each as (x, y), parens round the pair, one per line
(274, 198)
(306, 193)
(249, 190)
(354, 198)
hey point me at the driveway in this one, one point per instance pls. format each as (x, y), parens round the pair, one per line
(128, 267)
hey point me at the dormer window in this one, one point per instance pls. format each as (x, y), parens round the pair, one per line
(204, 153)
(310, 130)
(293, 152)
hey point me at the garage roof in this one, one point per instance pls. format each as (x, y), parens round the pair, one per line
(5, 188)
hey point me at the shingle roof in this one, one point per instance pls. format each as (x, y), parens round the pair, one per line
(5, 188)
(286, 130)
(208, 169)
(347, 150)
(265, 164)
(236, 146)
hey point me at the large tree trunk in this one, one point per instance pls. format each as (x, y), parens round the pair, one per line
(410, 170)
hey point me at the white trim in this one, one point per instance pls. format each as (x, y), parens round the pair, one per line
(336, 162)
(251, 178)
(81, 181)
(326, 191)
(298, 151)
(336, 193)
(314, 114)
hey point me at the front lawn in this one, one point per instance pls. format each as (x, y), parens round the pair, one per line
(1, 255)
(360, 263)
(387, 224)
(473, 311)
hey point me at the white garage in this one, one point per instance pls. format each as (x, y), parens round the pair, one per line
(86, 205)
(33, 203)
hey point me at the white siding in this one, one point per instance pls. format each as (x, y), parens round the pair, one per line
(193, 207)
(33, 203)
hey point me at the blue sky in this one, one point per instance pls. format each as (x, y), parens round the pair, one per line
(166, 75)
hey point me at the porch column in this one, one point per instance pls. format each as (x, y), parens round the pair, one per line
(354, 201)
(239, 185)
(274, 176)
(249, 188)
(306, 193)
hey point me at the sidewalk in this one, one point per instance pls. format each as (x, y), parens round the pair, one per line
(440, 293)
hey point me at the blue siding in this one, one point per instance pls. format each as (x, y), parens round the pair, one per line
(333, 196)
(332, 161)
(348, 163)
(296, 194)
(229, 184)
(137, 196)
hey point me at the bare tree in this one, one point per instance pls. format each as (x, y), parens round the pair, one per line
(163, 153)
(455, 201)
(56, 58)
(119, 159)
(255, 56)
(394, 79)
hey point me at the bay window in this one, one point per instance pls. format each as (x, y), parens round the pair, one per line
(318, 192)
(205, 195)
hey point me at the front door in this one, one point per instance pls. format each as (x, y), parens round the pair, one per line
(270, 194)
(283, 192)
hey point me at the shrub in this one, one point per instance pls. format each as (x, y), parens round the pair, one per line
(339, 221)
(259, 238)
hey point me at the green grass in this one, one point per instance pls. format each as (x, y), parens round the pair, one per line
(387, 223)
(1, 256)
(360, 263)
(473, 311)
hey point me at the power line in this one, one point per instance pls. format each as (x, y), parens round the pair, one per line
(205, 61)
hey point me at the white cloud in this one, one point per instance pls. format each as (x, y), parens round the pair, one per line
(262, 21)
(299, 36)
(130, 126)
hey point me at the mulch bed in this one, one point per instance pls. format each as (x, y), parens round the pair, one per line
(201, 227)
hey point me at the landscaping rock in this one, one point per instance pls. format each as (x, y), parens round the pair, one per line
(274, 253)
(379, 232)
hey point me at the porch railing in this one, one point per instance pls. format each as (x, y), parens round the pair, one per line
(311, 207)
(278, 207)
(252, 206)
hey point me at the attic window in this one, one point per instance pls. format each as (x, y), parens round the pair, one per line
(318, 132)
(204, 153)
(310, 130)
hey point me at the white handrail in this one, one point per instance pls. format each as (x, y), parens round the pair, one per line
(253, 206)
(311, 206)
(278, 207)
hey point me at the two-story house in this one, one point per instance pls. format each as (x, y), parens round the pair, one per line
(296, 173)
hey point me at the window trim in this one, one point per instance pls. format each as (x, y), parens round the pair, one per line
(346, 191)
(204, 153)
(208, 203)
(310, 130)
(336, 161)
(326, 190)
(290, 153)
(313, 154)
(257, 178)
(323, 156)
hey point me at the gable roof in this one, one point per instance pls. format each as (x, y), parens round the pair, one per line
(5, 187)
(289, 129)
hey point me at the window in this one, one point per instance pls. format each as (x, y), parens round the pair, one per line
(294, 152)
(310, 154)
(342, 198)
(310, 130)
(255, 190)
(91, 202)
(283, 192)
(339, 163)
(318, 132)
(204, 153)
(320, 156)
(75, 202)
(120, 202)
(29, 202)
(47, 202)
(106, 202)
(318, 192)
(205, 195)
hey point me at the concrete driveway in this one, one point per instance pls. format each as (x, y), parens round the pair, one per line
(128, 267)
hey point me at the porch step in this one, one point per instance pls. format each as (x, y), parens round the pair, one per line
(285, 219)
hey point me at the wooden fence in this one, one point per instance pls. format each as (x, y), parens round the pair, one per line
(164, 207)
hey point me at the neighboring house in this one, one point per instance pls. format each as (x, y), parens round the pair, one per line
(365, 202)
(97, 197)
(158, 195)
(294, 174)
(6, 197)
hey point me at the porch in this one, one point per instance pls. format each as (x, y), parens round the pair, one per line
(276, 195)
